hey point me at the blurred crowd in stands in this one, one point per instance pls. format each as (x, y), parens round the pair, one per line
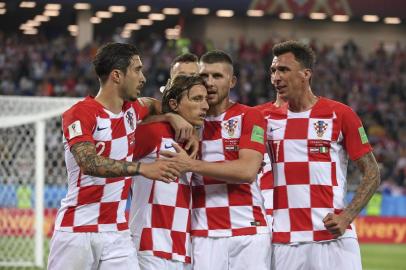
(373, 83)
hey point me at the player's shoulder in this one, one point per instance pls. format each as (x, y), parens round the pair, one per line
(336, 106)
(163, 129)
(266, 106)
(85, 106)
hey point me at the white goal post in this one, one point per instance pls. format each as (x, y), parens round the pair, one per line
(31, 167)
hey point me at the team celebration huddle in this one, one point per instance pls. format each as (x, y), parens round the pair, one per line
(213, 184)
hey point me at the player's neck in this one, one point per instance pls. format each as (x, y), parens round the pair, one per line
(218, 109)
(110, 100)
(304, 102)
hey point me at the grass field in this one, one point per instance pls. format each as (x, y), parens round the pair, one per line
(374, 256)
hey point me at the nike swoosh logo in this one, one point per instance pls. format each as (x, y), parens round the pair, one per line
(99, 129)
(168, 146)
(275, 129)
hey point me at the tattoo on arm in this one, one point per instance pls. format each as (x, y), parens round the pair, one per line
(92, 164)
(369, 183)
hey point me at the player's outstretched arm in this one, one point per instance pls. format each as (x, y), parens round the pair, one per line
(242, 170)
(92, 164)
(368, 166)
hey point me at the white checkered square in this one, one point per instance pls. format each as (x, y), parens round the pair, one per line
(281, 222)
(235, 214)
(87, 216)
(298, 236)
(199, 217)
(102, 131)
(317, 215)
(213, 150)
(298, 196)
(305, 114)
(276, 129)
(320, 129)
(339, 197)
(121, 211)
(216, 195)
(87, 180)
(179, 217)
(279, 174)
(161, 239)
(112, 191)
(107, 227)
(119, 148)
(168, 193)
(295, 150)
(320, 173)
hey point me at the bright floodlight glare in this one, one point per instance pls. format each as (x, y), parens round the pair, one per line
(340, 18)
(104, 14)
(32, 31)
(132, 26)
(27, 4)
(82, 6)
(51, 13)
(2, 11)
(370, 18)
(200, 11)
(392, 20)
(41, 18)
(117, 9)
(2, 4)
(318, 16)
(73, 28)
(144, 22)
(156, 16)
(144, 8)
(95, 20)
(52, 6)
(286, 16)
(33, 23)
(255, 13)
(225, 13)
(171, 11)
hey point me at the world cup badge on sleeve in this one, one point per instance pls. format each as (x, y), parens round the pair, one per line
(320, 127)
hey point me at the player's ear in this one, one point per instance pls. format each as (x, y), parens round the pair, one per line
(233, 81)
(115, 76)
(307, 74)
(173, 104)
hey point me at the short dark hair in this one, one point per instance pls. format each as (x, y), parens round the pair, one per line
(303, 53)
(185, 58)
(216, 56)
(175, 88)
(113, 56)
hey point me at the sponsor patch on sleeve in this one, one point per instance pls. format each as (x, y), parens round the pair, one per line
(363, 135)
(75, 129)
(257, 134)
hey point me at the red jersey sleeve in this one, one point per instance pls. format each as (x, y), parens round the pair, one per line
(141, 109)
(253, 131)
(147, 138)
(78, 125)
(355, 139)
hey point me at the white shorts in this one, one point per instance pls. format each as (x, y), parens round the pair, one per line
(338, 254)
(148, 262)
(104, 251)
(247, 252)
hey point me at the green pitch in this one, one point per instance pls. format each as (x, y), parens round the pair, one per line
(383, 257)
(374, 256)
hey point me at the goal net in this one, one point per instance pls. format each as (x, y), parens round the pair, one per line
(32, 177)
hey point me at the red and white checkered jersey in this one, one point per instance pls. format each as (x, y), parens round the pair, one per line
(310, 155)
(220, 209)
(97, 204)
(160, 212)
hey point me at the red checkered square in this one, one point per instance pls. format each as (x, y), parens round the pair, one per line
(280, 197)
(179, 242)
(296, 128)
(300, 219)
(118, 128)
(199, 197)
(90, 194)
(183, 196)
(162, 216)
(321, 196)
(146, 240)
(218, 218)
(237, 195)
(212, 130)
(297, 173)
(108, 212)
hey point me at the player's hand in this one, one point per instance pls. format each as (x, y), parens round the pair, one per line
(192, 146)
(161, 170)
(180, 160)
(336, 224)
(183, 129)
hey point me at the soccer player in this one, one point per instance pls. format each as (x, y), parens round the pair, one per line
(184, 64)
(311, 139)
(160, 212)
(229, 229)
(91, 231)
